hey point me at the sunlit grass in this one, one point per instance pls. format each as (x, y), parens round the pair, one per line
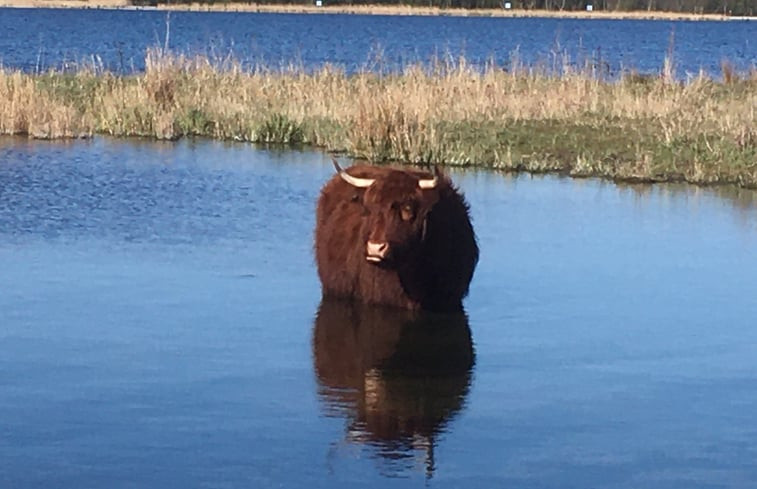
(569, 120)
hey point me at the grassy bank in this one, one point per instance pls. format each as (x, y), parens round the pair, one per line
(637, 128)
(372, 10)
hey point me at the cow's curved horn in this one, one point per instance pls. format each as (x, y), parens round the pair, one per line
(429, 183)
(355, 181)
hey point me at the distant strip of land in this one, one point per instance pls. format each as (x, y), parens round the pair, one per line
(369, 10)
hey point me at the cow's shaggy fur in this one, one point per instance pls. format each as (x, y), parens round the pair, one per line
(433, 252)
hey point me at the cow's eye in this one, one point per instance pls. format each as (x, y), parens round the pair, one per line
(407, 213)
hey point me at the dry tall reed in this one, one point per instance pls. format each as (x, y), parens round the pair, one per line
(638, 127)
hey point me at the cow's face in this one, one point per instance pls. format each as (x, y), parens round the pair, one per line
(395, 209)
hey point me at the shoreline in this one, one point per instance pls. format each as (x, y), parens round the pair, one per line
(639, 129)
(390, 10)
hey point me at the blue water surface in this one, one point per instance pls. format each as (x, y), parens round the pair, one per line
(161, 326)
(38, 39)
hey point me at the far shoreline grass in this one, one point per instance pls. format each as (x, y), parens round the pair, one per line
(638, 128)
(391, 10)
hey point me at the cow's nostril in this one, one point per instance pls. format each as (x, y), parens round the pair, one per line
(376, 250)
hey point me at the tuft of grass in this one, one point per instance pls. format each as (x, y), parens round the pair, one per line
(552, 118)
(279, 128)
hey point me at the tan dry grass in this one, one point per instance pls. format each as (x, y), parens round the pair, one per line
(26, 110)
(366, 10)
(638, 128)
(436, 11)
(65, 3)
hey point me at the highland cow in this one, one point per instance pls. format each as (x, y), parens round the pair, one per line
(395, 237)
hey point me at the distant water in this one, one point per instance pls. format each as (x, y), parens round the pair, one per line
(33, 39)
(161, 326)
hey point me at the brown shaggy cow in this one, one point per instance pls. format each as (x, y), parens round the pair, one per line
(396, 237)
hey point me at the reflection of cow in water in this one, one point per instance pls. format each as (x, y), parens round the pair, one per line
(394, 237)
(397, 376)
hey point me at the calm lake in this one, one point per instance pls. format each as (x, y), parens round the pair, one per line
(161, 326)
(37, 39)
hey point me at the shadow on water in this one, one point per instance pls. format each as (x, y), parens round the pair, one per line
(398, 378)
